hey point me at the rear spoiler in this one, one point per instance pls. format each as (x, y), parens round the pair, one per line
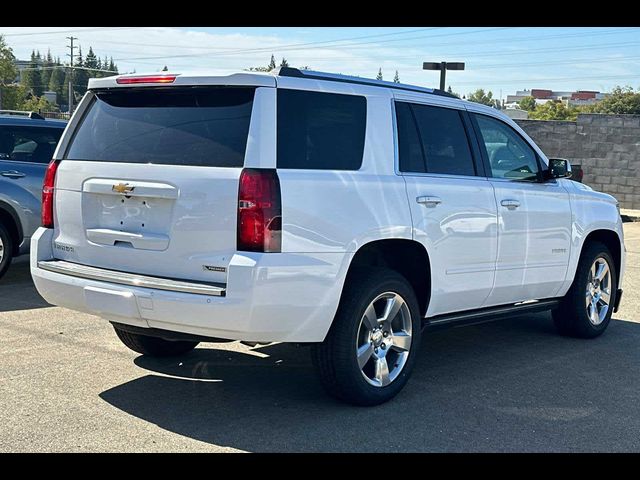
(240, 79)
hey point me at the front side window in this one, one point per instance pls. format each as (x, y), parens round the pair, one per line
(320, 131)
(28, 144)
(432, 140)
(509, 155)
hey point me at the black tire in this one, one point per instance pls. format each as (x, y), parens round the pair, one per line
(7, 249)
(571, 318)
(335, 359)
(154, 346)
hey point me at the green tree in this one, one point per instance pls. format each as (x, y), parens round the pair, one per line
(112, 67)
(91, 61)
(37, 104)
(396, 77)
(528, 104)
(553, 110)
(379, 76)
(56, 83)
(165, 69)
(80, 76)
(8, 71)
(621, 100)
(284, 62)
(272, 63)
(450, 90)
(31, 76)
(479, 96)
(47, 69)
(8, 74)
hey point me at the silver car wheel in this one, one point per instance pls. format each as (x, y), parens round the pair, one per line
(384, 337)
(598, 292)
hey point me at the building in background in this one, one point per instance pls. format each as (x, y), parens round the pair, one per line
(541, 96)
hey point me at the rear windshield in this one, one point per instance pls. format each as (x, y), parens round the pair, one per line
(177, 126)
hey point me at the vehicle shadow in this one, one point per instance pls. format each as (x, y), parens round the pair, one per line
(511, 385)
(17, 291)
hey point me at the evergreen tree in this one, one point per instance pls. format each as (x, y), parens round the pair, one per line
(80, 76)
(31, 78)
(91, 60)
(379, 76)
(56, 83)
(47, 64)
(165, 69)
(112, 66)
(272, 63)
(284, 62)
(449, 90)
(396, 77)
(64, 93)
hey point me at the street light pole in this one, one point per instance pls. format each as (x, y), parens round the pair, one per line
(443, 67)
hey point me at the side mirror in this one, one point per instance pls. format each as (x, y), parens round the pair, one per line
(559, 168)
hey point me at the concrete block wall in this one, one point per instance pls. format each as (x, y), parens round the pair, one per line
(607, 147)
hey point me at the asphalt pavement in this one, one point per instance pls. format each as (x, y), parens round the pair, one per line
(68, 384)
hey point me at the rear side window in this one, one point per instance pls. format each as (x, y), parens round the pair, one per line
(28, 144)
(321, 131)
(178, 126)
(432, 140)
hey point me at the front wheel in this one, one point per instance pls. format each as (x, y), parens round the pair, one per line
(370, 350)
(586, 309)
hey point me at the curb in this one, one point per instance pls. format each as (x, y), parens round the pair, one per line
(629, 218)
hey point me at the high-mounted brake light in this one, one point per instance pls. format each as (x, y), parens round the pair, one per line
(47, 194)
(146, 79)
(259, 211)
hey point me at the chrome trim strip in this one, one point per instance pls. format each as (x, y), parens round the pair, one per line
(132, 279)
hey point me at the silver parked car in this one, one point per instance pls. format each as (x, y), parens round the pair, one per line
(27, 143)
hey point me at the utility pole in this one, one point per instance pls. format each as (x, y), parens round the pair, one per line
(443, 67)
(71, 57)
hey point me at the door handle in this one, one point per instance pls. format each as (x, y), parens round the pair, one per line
(510, 204)
(13, 174)
(429, 200)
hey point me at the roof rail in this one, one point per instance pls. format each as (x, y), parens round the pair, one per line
(334, 77)
(34, 115)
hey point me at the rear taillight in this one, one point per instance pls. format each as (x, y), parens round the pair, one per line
(259, 211)
(47, 194)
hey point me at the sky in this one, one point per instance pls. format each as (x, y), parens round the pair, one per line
(500, 59)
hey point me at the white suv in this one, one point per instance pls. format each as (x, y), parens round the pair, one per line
(306, 207)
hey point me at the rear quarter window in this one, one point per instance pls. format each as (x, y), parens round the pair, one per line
(198, 126)
(320, 131)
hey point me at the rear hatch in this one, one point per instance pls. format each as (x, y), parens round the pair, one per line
(149, 181)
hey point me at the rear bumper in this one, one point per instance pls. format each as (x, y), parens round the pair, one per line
(268, 297)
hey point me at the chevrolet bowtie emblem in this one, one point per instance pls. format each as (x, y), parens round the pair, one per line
(122, 188)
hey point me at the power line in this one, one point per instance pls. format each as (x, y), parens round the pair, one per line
(295, 44)
(293, 47)
(67, 31)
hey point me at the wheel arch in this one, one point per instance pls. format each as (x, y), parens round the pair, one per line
(407, 257)
(612, 240)
(9, 218)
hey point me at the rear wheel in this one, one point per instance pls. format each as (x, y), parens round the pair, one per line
(154, 346)
(587, 307)
(6, 250)
(370, 350)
